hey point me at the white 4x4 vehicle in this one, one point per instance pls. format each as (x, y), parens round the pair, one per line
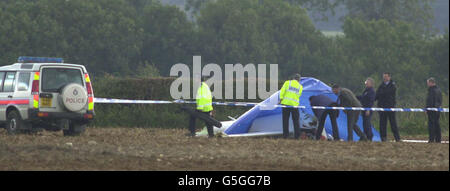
(45, 93)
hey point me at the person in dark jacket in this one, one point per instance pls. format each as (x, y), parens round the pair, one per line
(385, 95)
(434, 100)
(367, 100)
(346, 98)
(321, 114)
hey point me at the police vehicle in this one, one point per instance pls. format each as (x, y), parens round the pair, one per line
(45, 93)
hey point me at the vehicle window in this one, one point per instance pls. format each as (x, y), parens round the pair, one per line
(53, 79)
(2, 76)
(8, 85)
(24, 81)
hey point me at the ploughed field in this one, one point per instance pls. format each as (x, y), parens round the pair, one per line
(170, 149)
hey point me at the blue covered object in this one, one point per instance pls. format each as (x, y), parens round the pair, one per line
(263, 118)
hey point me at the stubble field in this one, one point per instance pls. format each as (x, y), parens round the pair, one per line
(170, 149)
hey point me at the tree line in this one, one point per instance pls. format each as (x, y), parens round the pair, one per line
(145, 38)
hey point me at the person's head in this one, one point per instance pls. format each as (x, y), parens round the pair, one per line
(297, 77)
(204, 78)
(369, 82)
(386, 77)
(431, 82)
(336, 89)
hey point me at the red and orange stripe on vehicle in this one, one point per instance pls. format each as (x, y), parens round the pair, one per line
(15, 102)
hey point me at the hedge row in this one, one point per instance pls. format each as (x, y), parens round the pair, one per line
(171, 116)
(160, 115)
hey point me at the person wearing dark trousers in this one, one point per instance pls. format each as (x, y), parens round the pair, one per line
(352, 118)
(367, 100)
(385, 95)
(346, 98)
(434, 100)
(290, 96)
(295, 118)
(192, 120)
(204, 105)
(321, 114)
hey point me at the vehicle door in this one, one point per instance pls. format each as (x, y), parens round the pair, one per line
(6, 92)
(22, 94)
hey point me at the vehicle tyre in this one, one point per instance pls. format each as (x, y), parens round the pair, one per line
(74, 130)
(15, 122)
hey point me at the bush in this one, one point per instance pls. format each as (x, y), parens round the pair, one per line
(171, 116)
(138, 115)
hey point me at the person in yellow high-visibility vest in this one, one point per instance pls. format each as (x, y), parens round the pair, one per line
(204, 105)
(290, 96)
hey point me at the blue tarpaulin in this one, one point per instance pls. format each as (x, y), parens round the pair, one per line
(262, 119)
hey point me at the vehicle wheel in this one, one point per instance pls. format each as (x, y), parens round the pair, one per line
(74, 130)
(14, 122)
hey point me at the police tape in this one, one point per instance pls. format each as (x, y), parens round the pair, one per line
(247, 104)
(127, 101)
